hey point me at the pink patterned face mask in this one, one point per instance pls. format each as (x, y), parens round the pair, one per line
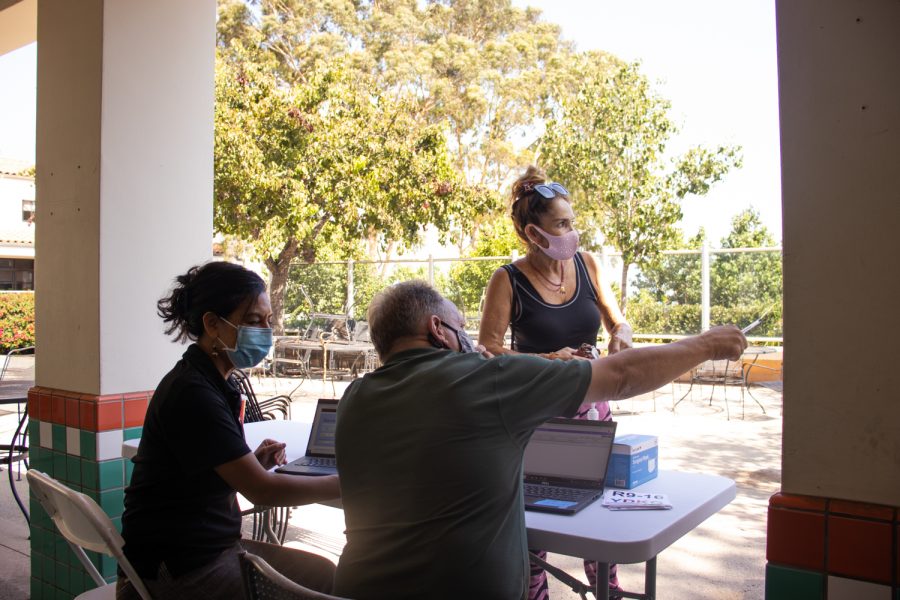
(562, 247)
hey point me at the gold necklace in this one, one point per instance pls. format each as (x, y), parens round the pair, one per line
(554, 286)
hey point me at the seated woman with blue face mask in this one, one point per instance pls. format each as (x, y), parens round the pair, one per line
(182, 524)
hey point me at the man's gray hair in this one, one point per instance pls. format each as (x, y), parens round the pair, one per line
(401, 311)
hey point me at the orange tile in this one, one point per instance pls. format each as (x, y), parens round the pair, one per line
(88, 415)
(860, 548)
(135, 410)
(138, 396)
(72, 416)
(34, 404)
(58, 409)
(45, 408)
(796, 539)
(861, 509)
(109, 398)
(782, 500)
(109, 415)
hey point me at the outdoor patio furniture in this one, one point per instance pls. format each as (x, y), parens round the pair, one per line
(16, 378)
(259, 410)
(263, 582)
(85, 526)
(269, 523)
(750, 366)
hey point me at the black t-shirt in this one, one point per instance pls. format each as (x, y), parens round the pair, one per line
(177, 508)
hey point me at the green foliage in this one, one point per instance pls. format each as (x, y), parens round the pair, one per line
(736, 279)
(649, 316)
(16, 321)
(608, 145)
(469, 279)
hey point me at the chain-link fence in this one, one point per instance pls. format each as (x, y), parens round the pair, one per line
(683, 293)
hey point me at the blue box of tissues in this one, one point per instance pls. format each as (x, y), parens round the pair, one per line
(634, 460)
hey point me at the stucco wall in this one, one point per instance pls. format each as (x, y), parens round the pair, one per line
(839, 87)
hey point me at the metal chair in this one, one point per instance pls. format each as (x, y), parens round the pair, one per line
(269, 523)
(84, 525)
(262, 582)
(260, 410)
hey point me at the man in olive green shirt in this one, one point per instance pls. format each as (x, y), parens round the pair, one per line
(430, 446)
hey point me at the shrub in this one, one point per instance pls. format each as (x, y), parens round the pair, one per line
(649, 316)
(16, 321)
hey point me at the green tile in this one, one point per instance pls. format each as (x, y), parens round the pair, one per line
(34, 434)
(117, 523)
(132, 433)
(73, 469)
(108, 567)
(37, 588)
(38, 514)
(111, 474)
(59, 437)
(59, 466)
(61, 550)
(37, 562)
(48, 568)
(88, 445)
(784, 583)
(112, 502)
(129, 471)
(90, 475)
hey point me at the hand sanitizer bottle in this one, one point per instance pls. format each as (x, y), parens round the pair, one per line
(593, 414)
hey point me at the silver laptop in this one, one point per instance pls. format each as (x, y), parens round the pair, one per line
(565, 464)
(319, 458)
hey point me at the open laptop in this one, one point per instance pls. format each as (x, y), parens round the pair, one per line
(319, 458)
(565, 464)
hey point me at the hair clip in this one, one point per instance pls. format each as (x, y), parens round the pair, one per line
(528, 187)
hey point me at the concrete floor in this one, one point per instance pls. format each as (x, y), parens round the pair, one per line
(722, 559)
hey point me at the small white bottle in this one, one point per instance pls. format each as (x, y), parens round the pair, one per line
(593, 414)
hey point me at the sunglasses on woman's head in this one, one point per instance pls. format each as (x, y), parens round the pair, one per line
(550, 190)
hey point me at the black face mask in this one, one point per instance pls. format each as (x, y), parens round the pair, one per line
(465, 343)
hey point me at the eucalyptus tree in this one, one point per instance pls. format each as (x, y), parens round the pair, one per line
(608, 144)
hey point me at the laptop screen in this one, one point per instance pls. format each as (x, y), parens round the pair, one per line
(321, 437)
(570, 449)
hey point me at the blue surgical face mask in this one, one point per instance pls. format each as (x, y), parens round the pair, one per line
(252, 345)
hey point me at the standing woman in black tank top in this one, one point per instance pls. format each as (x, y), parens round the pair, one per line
(553, 299)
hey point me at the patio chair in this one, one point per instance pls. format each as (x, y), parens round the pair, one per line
(84, 525)
(262, 582)
(260, 410)
(269, 523)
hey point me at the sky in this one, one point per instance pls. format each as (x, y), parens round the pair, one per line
(715, 61)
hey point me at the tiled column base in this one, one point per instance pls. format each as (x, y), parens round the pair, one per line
(828, 549)
(77, 440)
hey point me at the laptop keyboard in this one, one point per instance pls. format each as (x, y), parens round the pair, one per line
(557, 493)
(313, 461)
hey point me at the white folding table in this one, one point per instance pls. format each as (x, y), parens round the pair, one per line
(595, 533)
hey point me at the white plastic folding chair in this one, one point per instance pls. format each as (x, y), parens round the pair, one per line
(84, 525)
(263, 582)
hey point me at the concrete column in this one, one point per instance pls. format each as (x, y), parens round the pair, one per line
(124, 182)
(832, 532)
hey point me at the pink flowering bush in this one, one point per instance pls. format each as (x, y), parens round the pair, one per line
(16, 321)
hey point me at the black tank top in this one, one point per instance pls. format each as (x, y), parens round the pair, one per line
(538, 327)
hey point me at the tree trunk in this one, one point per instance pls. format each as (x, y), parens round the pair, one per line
(279, 269)
(278, 276)
(623, 299)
